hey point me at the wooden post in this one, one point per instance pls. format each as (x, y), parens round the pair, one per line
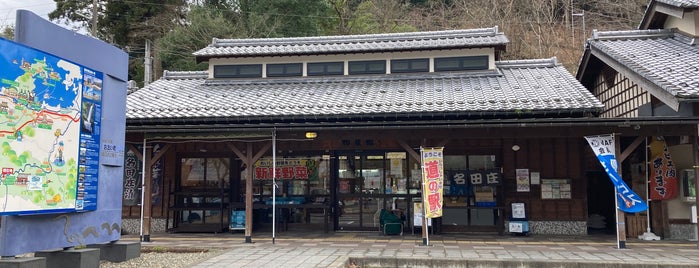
(249, 160)
(695, 156)
(248, 193)
(147, 195)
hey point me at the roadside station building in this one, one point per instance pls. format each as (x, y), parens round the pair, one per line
(345, 118)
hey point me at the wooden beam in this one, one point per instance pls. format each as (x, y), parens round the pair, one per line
(629, 150)
(238, 153)
(410, 151)
(160, 154)
(136, 151)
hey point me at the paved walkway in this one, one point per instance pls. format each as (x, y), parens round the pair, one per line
(362, 249)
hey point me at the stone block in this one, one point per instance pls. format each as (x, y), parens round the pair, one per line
(29, 262)
(118, 251)
(76, 258)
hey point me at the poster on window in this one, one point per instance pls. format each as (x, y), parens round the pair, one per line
(522, 176)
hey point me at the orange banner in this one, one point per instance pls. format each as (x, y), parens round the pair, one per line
(433, 181)
(663, 174)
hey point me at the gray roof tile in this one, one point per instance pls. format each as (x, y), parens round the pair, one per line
(681, 3)
(517, 86)
(353, 43)
(667, 59)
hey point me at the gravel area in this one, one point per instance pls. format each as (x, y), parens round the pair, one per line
(164, 259)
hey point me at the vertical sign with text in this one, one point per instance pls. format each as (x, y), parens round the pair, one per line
(433, 181)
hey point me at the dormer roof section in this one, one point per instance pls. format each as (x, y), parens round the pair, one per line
(658, 11)
(664, 62)
(517, 89)
(347, 44)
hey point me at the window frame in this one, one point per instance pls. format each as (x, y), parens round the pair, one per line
(366, 64)
(325, 66)
(481, 63)
(286, 69)
(411, 68)
(234, 71)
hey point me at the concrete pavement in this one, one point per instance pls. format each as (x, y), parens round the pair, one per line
(372, 249)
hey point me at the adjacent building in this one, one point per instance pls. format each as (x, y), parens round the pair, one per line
(653, 72)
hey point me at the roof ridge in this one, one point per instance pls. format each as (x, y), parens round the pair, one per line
(216, 42)
(185, 74)
(528, 63)
(631, 34)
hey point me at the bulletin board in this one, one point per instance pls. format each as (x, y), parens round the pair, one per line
(555, 189)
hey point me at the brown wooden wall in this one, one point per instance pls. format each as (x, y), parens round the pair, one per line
(554, 158)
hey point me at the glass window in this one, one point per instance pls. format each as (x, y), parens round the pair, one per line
(461, 63)
(238, 71)
(367, 67)
(410, 66)
(285, 69)
(205, 172)
(325, 68)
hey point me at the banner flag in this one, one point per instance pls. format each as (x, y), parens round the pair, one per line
(603, 146)
(663, 181)
(432, 181)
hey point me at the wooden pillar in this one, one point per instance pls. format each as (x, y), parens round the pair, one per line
(248, 193)
(249, 160)
(621, 217)
(146, 205)
(695, 156)
(147, 211)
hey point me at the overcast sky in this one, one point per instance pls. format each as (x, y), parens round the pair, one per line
(8, 9)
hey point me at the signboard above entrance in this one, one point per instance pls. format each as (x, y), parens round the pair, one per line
(49, 132)
(287, 168)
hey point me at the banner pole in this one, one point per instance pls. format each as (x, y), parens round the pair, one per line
(620, 217)
(648, 235)
(425, 223)
(274, 183)
(422, 198)
(647, 187)
(143, 187)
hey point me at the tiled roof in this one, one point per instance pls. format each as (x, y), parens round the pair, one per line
(353, 43)
(525, 88)
(681, 3)
(650, 16)
(666, 59)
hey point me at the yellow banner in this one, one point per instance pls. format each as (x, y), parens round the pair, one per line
(432, 181)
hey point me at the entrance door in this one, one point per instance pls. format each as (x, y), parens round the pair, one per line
(470, 204)
(368, 183)
(202, 194)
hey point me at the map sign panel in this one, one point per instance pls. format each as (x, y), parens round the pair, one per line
(50, 112)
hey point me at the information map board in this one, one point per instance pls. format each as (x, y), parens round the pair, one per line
(50, 111)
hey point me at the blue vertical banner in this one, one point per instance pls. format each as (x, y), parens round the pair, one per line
(627, 199)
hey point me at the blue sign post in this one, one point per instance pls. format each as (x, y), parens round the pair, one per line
(55, 62)
(49, 132)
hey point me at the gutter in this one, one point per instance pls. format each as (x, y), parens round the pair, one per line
(451, 124)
